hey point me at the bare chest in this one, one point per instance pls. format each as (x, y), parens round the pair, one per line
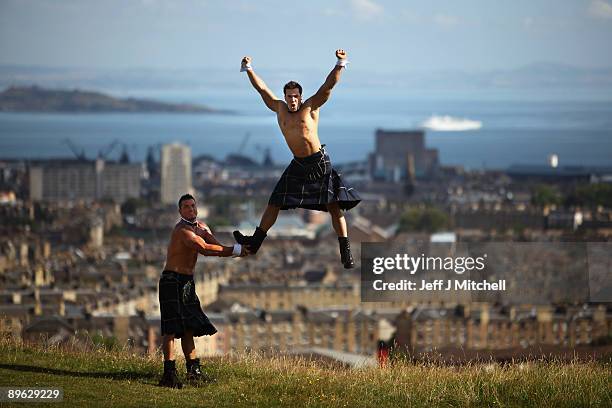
(297, 121)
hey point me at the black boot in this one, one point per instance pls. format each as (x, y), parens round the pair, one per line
(195, 374)
(170, 379)
(345, 253)
(253, 242)
(194, 371)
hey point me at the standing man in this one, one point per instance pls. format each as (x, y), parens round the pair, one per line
(309, 181)
(181, 314)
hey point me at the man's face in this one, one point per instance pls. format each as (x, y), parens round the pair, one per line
(188, 210)
(293, 99)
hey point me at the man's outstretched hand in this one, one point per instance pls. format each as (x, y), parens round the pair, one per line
(341, 54)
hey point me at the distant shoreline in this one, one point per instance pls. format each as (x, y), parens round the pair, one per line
(34, 99)
(102, 113)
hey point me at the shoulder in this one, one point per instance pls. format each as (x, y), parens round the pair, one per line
(203, 226)
(281, 107)
(309, 105)
(182, 230)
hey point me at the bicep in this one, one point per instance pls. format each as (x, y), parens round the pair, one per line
(271, 101)
(209, 237)
(319, 98)
(324, 91)
(190, 239)
(196, 242)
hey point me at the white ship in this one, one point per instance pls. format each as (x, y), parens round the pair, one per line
(450, 124)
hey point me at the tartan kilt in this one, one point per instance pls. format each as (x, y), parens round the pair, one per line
(312, 183)
(180, 307)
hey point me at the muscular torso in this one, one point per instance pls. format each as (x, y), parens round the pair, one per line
(300, 129)
(180, 257)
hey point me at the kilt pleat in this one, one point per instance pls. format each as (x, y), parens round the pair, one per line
(180, 307)
(312, 183)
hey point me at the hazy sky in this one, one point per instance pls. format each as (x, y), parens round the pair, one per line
(378, 34)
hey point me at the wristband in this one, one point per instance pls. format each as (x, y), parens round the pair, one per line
(237, 250)
(342, 62)
(245, 67)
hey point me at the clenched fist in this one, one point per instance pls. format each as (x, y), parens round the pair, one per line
(341, 54)
(245, 64)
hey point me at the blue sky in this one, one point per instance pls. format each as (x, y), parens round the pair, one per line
(379, 35)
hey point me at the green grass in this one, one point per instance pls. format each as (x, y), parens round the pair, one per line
(119, 379)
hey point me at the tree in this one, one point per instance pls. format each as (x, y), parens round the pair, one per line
(429, 219)
(591, 195)
(543, 195)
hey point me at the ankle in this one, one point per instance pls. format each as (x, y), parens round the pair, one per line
(169, 365)
(192, 362)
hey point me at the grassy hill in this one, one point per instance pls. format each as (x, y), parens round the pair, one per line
(119, 379)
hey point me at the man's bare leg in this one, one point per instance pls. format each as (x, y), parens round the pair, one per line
(269, 217)
(339, 224)
(338, 220)
(253, 242)
(168, 347)
(194, 371)
(188, 346)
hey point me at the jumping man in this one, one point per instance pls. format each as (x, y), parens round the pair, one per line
(309, 181)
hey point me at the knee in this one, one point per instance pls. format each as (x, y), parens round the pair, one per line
(334, 209)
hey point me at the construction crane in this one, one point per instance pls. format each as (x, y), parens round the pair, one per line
(79, 153)
(267, 156)
(125, 157)
(238, 159)
(105, 151)
(244, 142)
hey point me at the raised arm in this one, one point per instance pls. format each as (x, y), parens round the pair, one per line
(196, 242)
(271, 101)
(324, 92)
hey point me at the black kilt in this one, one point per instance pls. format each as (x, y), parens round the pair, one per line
(180, 307)
(312, 183)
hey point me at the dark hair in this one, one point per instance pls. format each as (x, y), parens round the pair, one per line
(292, 85)
(185, 197)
